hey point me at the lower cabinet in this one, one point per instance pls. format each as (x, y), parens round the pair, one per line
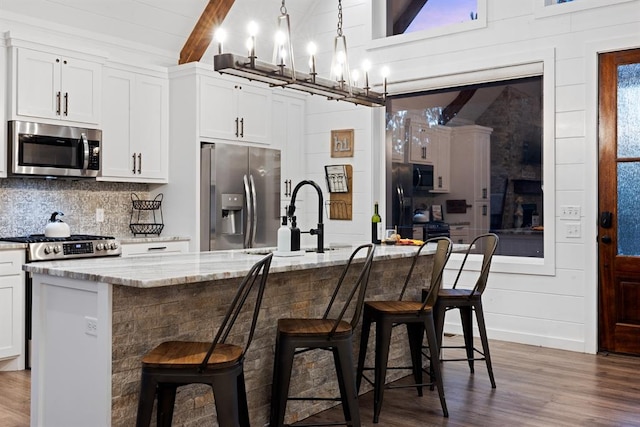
(12, 300)
(153, 248)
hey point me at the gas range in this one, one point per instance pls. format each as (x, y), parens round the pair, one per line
(42, 248)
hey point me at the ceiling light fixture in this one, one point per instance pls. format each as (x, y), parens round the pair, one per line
(342, 86)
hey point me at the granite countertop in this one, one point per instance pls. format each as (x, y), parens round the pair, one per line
(175, 269)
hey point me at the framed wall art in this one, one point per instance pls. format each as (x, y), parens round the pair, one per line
(342, 143)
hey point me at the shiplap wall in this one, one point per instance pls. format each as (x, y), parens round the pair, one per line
(551, 304)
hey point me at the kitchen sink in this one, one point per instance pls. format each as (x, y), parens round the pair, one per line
(267, 251)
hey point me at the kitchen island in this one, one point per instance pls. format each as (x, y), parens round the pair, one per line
(94, 319)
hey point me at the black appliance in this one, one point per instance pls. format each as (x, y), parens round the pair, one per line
(433, 229)
(423, 177)
(401, 208)
(39, 149)
(42, 248)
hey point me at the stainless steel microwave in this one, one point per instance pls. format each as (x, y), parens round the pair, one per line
(422, 177)
(39, 149)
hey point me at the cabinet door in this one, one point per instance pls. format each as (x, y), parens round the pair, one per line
(422, 143)
(3, 116)
(441, 164)
(150, 127)
(218, 109)
(80, 90)
(287, 135)
(253, 107)
(11, 303)
(116, 124)
(38, 84)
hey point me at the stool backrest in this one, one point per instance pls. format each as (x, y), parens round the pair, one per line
(256, 277)
(440, 258)
(490, 242)
(359, 285)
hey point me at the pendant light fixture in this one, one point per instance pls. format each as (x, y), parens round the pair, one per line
(341, 86)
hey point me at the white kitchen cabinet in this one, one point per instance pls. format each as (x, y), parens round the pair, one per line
(442, 159)
(12, 301)
(422, 143)
(153, 248)
(234, 110)
(3, 116)
(135, 127)
(53, 86)
(459, 233)
(470, 175)
(287, 113)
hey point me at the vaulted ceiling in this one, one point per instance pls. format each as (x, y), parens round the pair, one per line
(161, 24)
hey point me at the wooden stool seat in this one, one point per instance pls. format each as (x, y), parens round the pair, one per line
(456, 293)
(395, 307)
(220, 365)
(312, 327)
(177, 354)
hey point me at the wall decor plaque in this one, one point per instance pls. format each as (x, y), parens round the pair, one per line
(342, 143)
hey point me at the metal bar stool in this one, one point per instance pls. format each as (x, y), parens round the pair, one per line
(331, 334)
(176, 363)
(418, 318)
(468, 301)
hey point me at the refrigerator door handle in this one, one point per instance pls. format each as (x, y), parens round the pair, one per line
(248, 227)
(254, 216)
(401, 199)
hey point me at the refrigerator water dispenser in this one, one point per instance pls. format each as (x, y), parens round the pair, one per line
(232, 212)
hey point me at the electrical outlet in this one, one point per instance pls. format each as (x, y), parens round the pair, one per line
(99, 215)
(91, 326)
(570, 212)
(574, 230)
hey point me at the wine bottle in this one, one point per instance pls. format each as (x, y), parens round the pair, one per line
(376, 225)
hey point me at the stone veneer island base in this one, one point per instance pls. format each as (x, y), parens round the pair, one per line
(95, 319)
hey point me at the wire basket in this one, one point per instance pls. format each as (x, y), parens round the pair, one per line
(146, 205)
(146, 228)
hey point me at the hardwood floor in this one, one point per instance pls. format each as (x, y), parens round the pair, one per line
(535, 387)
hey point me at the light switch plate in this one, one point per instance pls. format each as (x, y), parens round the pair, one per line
(570, 212)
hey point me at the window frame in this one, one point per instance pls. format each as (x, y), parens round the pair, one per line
(544, 8)
(531, 63)
(380, 38)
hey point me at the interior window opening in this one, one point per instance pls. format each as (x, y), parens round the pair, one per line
(467, 161)
(408, 16)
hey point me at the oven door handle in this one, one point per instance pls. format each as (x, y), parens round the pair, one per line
(85, 143)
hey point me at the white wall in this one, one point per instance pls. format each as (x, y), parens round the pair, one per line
(550, 303)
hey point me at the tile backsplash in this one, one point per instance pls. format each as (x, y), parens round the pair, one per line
(26, 205)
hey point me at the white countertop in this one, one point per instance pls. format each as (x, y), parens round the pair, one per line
(151, 271)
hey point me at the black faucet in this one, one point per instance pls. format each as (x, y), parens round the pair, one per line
(292, 208)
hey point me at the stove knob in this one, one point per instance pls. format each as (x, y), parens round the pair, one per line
(100, 247)
(47, 250)
(57, 249)
(113, 246)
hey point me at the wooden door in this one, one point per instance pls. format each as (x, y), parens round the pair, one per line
(619, 202)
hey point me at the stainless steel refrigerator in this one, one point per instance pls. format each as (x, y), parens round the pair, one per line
(240, 197)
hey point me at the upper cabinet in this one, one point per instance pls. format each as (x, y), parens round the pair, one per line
(234, 110)
(135, 126)
(442, 160)
(421, 143)
(3, 113)
(56, 86)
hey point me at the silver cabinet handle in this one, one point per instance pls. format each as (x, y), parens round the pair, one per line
(157, 248)
(58, 103)
(139, 163)
(134, 163)
(66, 103)
(242, 127)
(237, 127)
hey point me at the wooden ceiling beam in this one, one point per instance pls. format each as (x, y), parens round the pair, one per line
(202, 34)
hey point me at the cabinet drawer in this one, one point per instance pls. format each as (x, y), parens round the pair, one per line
(459, 233)
(11, 262)
(129, 249)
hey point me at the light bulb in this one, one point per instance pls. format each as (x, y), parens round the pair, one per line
(366, 65)
(355, 76)
(312, 49)
(249, 44)
(252, 28)
(340, 57)
(220, 35)
(281, 38)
